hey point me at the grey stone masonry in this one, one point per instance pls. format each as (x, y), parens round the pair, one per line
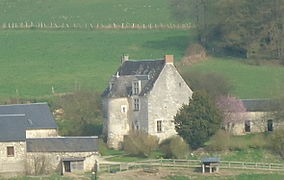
(143, 95)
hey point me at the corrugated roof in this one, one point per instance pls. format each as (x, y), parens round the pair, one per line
(38, 114)
(261, 105)
(63, 144)
(145, 70)
(13, 128)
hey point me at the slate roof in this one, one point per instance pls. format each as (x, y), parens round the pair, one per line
(37, 114)
(210, 160)
(63, 144)
(261, 105)
(145, 70)
(13, 127)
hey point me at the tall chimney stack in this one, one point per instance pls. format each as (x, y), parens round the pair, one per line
(124, 57)
(169, 59)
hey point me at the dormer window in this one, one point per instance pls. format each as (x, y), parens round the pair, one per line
(136, 87)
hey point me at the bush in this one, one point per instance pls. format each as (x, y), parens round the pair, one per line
(258, 141)
(276, 140)
(140, 143)
(219, 141)
(174, 147)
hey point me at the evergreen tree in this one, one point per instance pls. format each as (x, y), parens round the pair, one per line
(198, 120)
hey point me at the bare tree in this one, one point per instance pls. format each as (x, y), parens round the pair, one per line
(234, 111)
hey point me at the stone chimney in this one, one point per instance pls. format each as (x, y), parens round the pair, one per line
(169, 59)
(124, 57)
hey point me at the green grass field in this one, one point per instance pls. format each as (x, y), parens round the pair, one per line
(262, 176)
(86, 11)
(249, 81)
(34, 61)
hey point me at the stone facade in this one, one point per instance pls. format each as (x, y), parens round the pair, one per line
(118, 120)
(150, 108)
(169, 93)
(29, 143)
(41, 133)
(52, 162)
(256, 122)
(12, 164)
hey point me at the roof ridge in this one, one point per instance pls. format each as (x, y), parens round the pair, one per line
(12, 115)
(139, 60)
(23, 104)
(65, 137)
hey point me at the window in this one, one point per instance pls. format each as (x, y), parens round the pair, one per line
(136, 88)
(247, 126)
(159, 126)
(123, 108)
(10, 151)
(136, 104)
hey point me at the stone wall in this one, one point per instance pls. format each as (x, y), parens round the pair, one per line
(258, 123)
(51, 162)
(41, 133)
(12, 165)
(170, 91)
(117, 121)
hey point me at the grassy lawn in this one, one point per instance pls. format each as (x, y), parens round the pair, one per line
(249, 81)
(272, 176)
(87, 11)
(34, 61)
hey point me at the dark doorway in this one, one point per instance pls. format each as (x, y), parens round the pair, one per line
(270, 125)
(67, 166)
(247, 126)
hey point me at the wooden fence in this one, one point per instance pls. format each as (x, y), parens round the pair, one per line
(179, 163)
(65, 26)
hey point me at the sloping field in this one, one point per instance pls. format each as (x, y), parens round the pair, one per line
(248, 81)
(32, 62)
(86, 11)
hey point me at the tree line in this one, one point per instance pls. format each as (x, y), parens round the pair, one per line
(242, 28)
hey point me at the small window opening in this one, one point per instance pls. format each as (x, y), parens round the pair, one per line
(10, 151)
(247, 126)
(159, 126)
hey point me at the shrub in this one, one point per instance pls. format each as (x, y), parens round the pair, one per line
(140, 143)
(219, 141)
(174, 147)
(258, 141)
(277, 141)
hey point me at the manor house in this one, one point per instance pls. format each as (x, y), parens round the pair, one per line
(143, 95)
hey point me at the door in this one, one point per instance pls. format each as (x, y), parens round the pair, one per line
(67, 167)
(270, 125)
